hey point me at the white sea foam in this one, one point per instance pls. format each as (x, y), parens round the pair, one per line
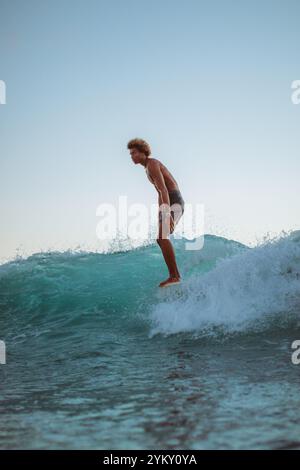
(242, 292)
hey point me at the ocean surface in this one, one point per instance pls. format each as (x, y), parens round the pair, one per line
(98, 357)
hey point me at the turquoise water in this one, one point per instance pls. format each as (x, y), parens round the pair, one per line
(99, 358)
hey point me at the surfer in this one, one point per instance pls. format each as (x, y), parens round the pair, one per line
(170, 202)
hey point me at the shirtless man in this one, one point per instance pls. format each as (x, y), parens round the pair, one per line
(170, 201)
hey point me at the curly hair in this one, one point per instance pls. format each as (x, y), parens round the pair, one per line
(141, 145)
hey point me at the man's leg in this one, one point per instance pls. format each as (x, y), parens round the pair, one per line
(168, 251)
(169, 256)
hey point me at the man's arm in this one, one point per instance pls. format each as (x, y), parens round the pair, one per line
(163, 193)
(159, 183)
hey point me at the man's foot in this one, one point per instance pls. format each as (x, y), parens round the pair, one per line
(170, 281)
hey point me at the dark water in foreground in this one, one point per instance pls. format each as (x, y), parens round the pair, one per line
(99, 358)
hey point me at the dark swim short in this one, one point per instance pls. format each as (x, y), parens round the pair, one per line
(175, 198)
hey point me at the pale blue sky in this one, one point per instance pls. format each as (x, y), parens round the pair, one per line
(206, 83)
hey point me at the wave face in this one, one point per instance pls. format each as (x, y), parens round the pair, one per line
(226, 286)
(99, 357)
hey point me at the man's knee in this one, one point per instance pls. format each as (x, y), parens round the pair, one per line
(161, 241)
